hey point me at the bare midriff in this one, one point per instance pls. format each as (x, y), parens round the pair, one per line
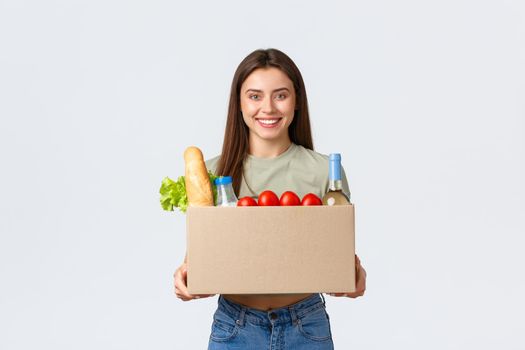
(266, 302)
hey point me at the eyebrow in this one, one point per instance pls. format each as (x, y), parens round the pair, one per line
(256, 90)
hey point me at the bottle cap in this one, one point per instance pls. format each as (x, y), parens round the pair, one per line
(335, 156)
(334, 170)
(223, 180)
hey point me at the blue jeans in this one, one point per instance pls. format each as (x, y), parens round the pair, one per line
(304, 325)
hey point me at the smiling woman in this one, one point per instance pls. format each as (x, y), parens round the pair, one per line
(268, 146)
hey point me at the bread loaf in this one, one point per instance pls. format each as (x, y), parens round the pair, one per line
(198, 186)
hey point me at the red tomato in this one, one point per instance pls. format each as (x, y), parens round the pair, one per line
(311, 199)
(289, 198)
(246, 202)
(268, 198)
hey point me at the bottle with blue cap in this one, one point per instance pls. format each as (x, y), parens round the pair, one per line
(335, 194)
(225, 195)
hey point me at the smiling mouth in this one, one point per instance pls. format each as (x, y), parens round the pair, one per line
(268, 121)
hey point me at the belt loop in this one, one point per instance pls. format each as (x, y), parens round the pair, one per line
(295, 319)
(240, 321)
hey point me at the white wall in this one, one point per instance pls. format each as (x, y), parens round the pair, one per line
(98, 100)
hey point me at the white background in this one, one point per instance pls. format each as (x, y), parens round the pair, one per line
(99, 99)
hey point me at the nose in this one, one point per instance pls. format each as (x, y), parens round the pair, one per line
(267, 105)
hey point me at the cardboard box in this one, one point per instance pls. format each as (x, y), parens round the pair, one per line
(265, 250)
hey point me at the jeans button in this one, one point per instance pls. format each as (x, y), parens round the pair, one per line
(273, 316)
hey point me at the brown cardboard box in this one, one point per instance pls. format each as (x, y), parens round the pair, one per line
(264, 250)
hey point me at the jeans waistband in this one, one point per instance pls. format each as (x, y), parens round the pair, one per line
(285, 314)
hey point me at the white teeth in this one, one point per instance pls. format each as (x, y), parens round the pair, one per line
(268, 121)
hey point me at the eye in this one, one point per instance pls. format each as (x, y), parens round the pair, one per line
(281, 96)
(254, 97)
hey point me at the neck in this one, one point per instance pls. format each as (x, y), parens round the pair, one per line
(268, 148)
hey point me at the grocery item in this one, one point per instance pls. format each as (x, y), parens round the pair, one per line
(268, 198)
(289, 198)
(198, 186)
(173, 193)
(311, 199)
(335, 194)
(225, 195)
(246, 202)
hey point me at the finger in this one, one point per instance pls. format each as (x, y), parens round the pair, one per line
(361, 282)
(181, 288)
(348, 295)
(175, 279)
(180, 283)
(353, 294)
(182, 296)
(337, 294)
(357, 264)
(204, 295)
(176, 274)
(362, 277)
(180, 277)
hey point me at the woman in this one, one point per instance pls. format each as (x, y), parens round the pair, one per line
(268, 145)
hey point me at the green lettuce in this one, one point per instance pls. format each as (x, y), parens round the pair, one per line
(173, 193)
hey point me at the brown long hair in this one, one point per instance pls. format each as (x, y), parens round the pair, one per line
(235, 146)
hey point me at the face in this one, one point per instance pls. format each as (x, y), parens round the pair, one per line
(268, 104)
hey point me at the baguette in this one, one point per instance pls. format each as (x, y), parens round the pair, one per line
(198, 186)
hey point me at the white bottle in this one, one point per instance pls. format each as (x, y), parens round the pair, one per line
(225, 195)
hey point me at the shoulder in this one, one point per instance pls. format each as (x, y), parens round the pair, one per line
(312, 157)
(311, 163)
(211, 164)
(319, 161)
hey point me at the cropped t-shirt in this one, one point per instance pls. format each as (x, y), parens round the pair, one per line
(298, 169)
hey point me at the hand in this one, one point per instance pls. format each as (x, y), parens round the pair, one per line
(180, 277)
(360, 285)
